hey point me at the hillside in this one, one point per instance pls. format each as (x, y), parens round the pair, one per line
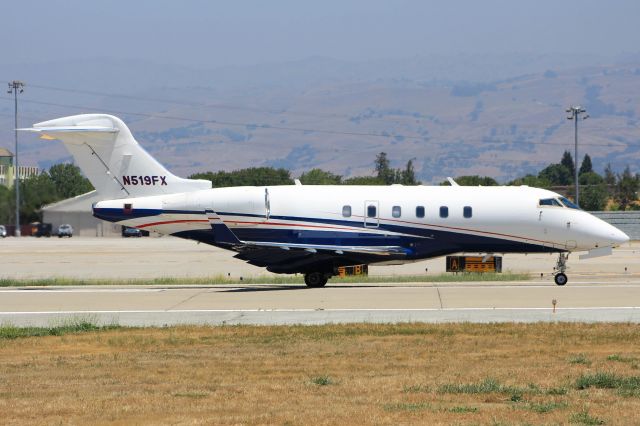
(503, 128)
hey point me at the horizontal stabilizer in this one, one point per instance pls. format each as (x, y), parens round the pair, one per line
(70, 129)
(117, 166)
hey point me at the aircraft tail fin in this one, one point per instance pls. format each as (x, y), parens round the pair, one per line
(106, 152)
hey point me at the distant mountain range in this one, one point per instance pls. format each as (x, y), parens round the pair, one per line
(497, 116)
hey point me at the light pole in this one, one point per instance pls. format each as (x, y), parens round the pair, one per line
(16, 87)
(575, 112)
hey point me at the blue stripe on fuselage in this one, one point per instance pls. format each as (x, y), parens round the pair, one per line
(422, 242)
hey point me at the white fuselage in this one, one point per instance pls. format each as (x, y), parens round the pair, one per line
(500, 219)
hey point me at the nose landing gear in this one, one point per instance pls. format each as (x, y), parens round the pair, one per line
(560, 277)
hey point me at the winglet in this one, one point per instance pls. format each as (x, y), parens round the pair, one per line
(452, 182)
(221, 232)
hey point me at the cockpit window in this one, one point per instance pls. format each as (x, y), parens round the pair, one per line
(549, 202)
(568, 203)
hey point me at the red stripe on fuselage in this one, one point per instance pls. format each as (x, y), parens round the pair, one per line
(347, 228)
(291, 224)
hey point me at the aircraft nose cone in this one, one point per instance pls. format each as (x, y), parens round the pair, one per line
(618, 237)
(607, 234)
(614, 236)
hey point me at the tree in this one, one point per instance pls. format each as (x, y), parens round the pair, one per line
(36, 192)
(363, 180)
(62, 181)
(383, 169)
(408, 175)
(254, 176)
(320, 177)
(68, 180)
(590, 178)
(531, 180)
(586, 166)
(567, 161)
(594, 197)
(7, 206)
(627, 189)
(556, 174)
(609, 175)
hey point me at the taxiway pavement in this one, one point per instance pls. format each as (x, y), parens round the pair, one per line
(272, 304)
(603, 289)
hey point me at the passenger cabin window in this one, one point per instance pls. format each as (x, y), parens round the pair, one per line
(420, 211)
(396, 211)
(346, 211)
(569, 203)
(467, 212)
(444, 212)
(549, 202)
(371, 211)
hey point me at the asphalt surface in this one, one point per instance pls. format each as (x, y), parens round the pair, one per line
(599, 290)
(270, 304)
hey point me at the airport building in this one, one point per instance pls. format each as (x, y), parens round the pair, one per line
(76, 211)
(7, 169)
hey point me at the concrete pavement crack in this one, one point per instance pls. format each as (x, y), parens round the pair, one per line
(439, 297)
(171, 308)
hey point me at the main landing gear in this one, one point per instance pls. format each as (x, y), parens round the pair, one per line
(560, 277)
(315, 279)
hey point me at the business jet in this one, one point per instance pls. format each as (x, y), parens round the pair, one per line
(313, 230)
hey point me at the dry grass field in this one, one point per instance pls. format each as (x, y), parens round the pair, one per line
(336, 374)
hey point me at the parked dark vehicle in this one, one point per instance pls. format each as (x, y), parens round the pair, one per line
(41, 229)
(131, 232)
(65, 230)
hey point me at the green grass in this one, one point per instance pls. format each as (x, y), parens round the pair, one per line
(545, 407)
(626, 386)
(583, 418)
(275, 279)
(407, 406)
(579, 359)
(322, 380)
(10, 332)
(556, 391)
(462, 409)
(488, 385)
(620, 358)
(416, 389)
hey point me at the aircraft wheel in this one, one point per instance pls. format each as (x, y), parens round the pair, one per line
(315, 279)
(560, 279)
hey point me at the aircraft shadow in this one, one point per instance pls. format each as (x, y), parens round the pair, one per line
(289, 287)
(255, 289)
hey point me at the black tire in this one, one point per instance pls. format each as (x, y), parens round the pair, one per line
(315, 279)
(561, 278)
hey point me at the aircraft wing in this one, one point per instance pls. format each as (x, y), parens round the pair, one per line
(279, 257)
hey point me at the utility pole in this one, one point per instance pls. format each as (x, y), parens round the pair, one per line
(575, 112)
(16, 87)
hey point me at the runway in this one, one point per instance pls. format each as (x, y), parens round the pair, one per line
(600, 289)
(588, 301)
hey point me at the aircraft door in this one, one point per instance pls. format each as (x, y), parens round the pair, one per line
(371, 214)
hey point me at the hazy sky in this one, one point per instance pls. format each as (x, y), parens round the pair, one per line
(236, 32)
